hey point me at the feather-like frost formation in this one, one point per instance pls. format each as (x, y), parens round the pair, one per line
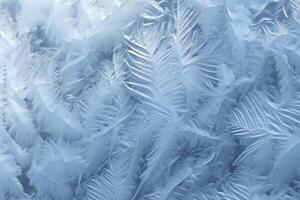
(149, 100)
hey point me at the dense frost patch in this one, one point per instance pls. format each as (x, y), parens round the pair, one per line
(149, 100)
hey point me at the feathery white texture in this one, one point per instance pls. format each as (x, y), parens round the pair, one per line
(149, 99)
(51, 160)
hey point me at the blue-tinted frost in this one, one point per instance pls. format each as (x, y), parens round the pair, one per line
(149, 100)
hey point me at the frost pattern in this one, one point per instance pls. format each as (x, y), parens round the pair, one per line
(149, 100)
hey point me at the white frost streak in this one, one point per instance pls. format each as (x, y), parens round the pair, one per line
(149, 100)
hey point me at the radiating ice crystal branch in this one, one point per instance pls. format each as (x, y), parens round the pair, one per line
(149, 99)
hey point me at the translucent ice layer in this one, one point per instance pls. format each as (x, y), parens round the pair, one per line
(149, 99)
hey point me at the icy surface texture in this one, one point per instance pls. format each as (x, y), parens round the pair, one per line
(149, 99)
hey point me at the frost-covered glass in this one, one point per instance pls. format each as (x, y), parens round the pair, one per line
(149, 99)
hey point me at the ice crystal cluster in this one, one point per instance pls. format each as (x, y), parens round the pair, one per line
(149, 99)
